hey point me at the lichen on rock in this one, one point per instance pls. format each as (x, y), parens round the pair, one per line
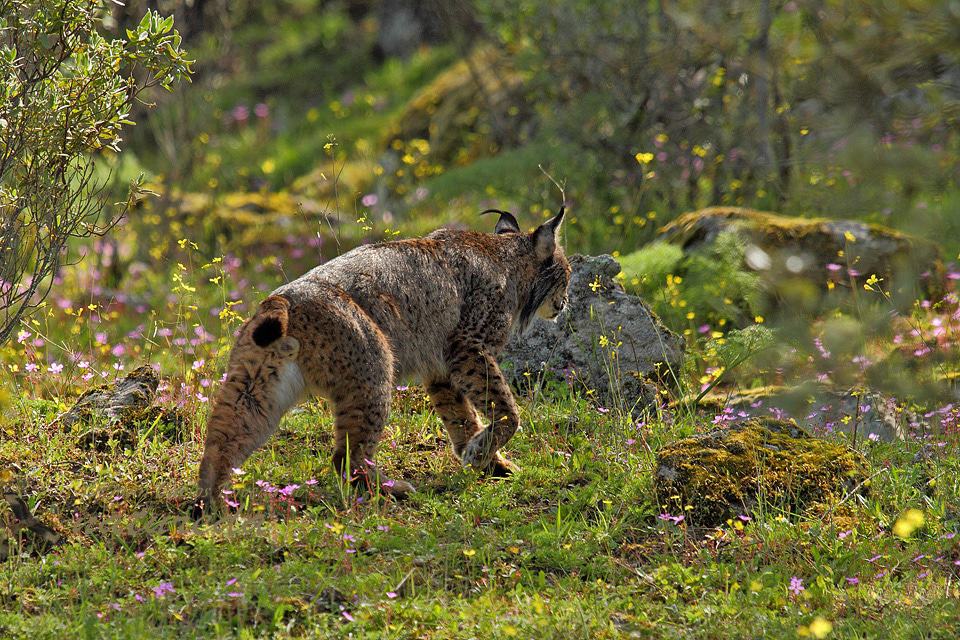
(115, 412)
(605, 341)
(718, 475)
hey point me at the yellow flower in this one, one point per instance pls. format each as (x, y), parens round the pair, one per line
(820, 627)
(644, 158)
(910, 521)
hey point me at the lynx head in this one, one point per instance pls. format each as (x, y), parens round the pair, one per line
(547, 293)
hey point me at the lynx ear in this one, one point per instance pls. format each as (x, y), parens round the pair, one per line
(270, 322)
(507, 222)
(545, 236)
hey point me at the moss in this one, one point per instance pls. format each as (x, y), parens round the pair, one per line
(169, 423)
(875, 249)
(727, 472)
(458, 112)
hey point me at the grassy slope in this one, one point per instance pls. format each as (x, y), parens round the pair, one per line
(570, 547)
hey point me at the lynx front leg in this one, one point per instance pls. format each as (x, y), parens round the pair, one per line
(458, 415)
(478, 376)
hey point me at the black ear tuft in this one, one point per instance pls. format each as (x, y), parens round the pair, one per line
(268, 331)
(507, 222)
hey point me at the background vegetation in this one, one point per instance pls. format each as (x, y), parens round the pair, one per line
(311, 126)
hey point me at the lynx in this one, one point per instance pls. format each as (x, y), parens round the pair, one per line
(438, 309)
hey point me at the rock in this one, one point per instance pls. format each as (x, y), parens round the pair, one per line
(605, 340)
(796, 252)
(463, 113)
(32, 534)
(725, 473)
(114, 411)
(818, 407)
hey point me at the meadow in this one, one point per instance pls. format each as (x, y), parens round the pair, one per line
(303, 134)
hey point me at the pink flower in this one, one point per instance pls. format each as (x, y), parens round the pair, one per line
(796, 585)
(162, 589)
(369, 200)
(55, 368)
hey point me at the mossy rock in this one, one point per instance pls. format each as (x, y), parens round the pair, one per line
(121, 411)
(166, 422)
(727, 472)
(243, 220)
(471, 110)
(792, 254)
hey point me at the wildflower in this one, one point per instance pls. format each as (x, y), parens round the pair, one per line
(346, 615)
(674, 519)
(261, 110)
(796, 585)
(820, 627)
(852, 581)
(55, 368)
(162, 589)
(391, 594)
(909, 522)
(644, 158)
(369, 200)
(289, 489)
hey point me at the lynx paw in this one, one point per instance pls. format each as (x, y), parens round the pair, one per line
(478, 452)
(500, 467)
(399, 489)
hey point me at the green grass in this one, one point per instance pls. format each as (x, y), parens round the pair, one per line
(570, 547)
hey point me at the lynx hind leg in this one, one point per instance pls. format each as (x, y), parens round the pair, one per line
(263, 382)
(459, 416)
(359, 422)
(477, 374)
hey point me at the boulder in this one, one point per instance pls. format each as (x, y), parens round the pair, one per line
(800, 252)
(712, 477)
(115, 411)
(605, 341)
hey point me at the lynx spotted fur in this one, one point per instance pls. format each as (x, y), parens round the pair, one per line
(438, 309)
